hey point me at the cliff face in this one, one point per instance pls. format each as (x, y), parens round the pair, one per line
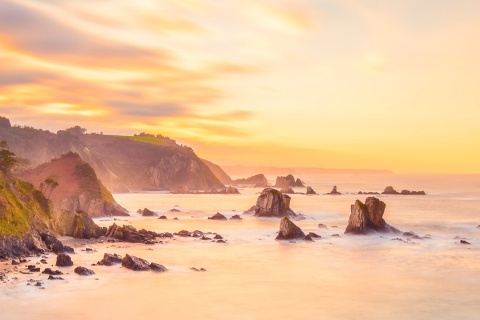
(122, 163)
(78, 189)
(218, 172)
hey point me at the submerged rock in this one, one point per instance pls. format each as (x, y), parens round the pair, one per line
(368, 217)
(83, 271)
(217, 216)
(64, 260)
(288, 230)
(272, 203)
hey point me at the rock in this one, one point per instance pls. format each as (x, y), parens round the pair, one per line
(288, 230)
(110, 259)
(157, 267)
(313, 235)
(83, 227)
(299, 183)
(310, 190)
(334, 191)
(258, 181)
(369, 192)
(205, 238)
(174, 210)
(184, 233)
(217, 216)
(196, 269)
(288, 181)
(54, 245)
(217, 237)
(409, 234)
(146, 212)
(33, 268)
(221, 241)
(235, 217)
(389, 190)
(64, 260)
(52, 272)
(50, 277)
(322, 226)
(135, 263)
(83, 271)
(130, 234)
(272, 203)
(308, 238)
(287, 190)
(335, 235)
(163, 217)
(464, 242)
(15, 263)
(367, 218)
(231, 190)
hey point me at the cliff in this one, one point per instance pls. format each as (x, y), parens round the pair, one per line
(218, 172)
(143, 162)
(79, 188)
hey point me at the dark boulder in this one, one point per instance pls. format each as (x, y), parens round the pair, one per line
(308, 238)
(139, 264)
(389, 190)
(313, 235)
(83, 271)
(288, 230)
(367, 218)
(110, 259)
(146, 212)
(464, 242)
(235, 217)
(64, 260)
(162, 217)
(157, 267)
(52, 272)
(310, 190)
(217, 216)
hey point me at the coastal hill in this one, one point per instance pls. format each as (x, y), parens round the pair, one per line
(218, 172)
(78, 189)
(123, 163)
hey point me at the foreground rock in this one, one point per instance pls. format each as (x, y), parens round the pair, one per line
(334, 191)
(217, 216)
(139, 264)
(64, 260)
(310, 190)
(110, 259)
(288, 181)
(391, 190)
(272, 203)
(289, 231)
(368, 218)
(83, 271)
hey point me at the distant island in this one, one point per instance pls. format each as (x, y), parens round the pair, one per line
(239, 170)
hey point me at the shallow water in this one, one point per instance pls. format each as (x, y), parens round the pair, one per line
(253, 276)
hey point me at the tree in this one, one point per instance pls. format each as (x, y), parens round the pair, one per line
(7, 158)
(48, 185)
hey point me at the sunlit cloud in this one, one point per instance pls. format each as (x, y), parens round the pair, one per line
(69, 109)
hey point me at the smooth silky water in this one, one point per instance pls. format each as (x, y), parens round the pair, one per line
(253, 276)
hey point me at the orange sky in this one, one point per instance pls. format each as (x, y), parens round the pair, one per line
(336, 84)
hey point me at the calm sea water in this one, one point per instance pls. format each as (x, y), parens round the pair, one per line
(255, 277)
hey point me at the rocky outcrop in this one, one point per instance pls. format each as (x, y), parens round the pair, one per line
(146, 212)
(110, 259)
(79, 188)
(258, 181)
(287, 190)
(272, 203)
(78, 225)
(131, 234)
(310, 190)
(217, 216)
(139, 264)
(368, 218)
(288, 181)
(289, 231)
(391, 190)
(334, 191)
(231, 190)
(64, 260)
(83, 271)
(235, 217)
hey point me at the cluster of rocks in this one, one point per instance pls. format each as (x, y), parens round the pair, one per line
(221, 217)
(131, 234)
(202, 235)
(391, 190)
(146, 212)
(139, 264)
(288, 181)
(185, 190)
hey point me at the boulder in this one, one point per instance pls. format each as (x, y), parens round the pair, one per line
(287, 190)
(289, 231)
(367, 218)
(130, 234)
(64, 260)
(258, 181)
(308, 238)
(83, 271)
(146, 212)
(272, 203)
(313, 235)
(389, 190)
(235, 217)
(139, 264)
(231, 190)
(110, 259)
(217, 216)
(310, 190)
(334, 191)
(52, 272)
(157, 267)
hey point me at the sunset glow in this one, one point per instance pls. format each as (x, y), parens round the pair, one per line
(334, 84)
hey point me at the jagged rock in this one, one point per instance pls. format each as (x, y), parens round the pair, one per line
(288, 230)
(146, 212)
(130, 234)
(139, 264)
(64, 260)
(258, 181)
(110, 259)
(52, 272)
(83, 227)
(313, 235)
(217, 216)
(334, 191)
(157, 267)
(235, 217)
(287, 190)
(288, 181)
(368, 217)
(310, 190)
(83, 271)
(299, 183)
(53, 244)
(272, 203)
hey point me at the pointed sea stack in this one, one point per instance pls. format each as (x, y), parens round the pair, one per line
(368, 218)
(310, 190)
(289, 231)
(334, 191)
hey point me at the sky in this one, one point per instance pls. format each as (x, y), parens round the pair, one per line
(307, 83)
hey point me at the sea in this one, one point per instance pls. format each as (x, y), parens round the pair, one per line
(253, 276)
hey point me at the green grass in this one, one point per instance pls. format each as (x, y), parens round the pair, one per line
(144, 139)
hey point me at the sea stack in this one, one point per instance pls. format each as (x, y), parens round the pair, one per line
(310, 190)
(368, 218)
(289, 231)
(272, 203)
(334, 191)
